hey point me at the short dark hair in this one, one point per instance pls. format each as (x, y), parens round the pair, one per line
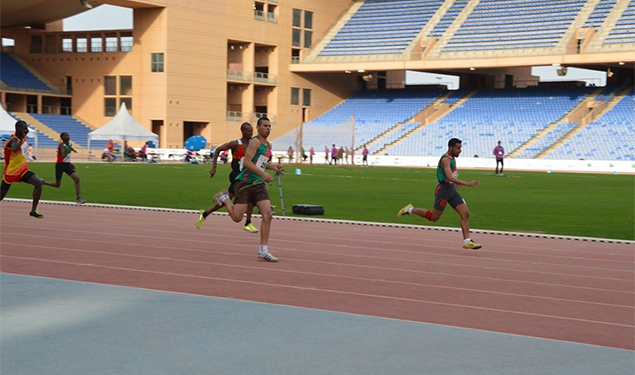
(453, 142)
(260, 120)
(21, 124)
(244, 125)
(62, 134)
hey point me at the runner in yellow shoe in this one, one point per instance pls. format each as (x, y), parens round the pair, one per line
(238, 148)
(446, 192)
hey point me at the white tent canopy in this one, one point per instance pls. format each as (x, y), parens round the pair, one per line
(122, 127)
(7, 125)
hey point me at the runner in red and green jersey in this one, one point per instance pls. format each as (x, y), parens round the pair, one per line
(446, 192)
(250, 186)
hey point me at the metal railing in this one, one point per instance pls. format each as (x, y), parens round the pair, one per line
(271, 17)
(238, 75)
(273, 118)
(259, 15)
(265, 78)
(234, 116)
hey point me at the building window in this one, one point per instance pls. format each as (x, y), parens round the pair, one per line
(96, 44)
(157, 62)
(307, 38)
(295, 96)
(110, 85)
(308, 19)
(295, 37)
(127, 101)
(306, 97)
(82, 44)
(259, 11)
(36, 44)
(125, 85)
(67, 44)
(110, 107)
(297, 18)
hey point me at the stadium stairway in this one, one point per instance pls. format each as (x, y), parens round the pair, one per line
(592, 116)
(439, 110)
(449, 32)
(607, 26)
(427, 29)
(583, 104)
(42, 129)
(373, 142)
(313, 52)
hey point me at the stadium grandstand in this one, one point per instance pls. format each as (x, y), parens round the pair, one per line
(334, 72)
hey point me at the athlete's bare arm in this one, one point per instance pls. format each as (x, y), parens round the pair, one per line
(445, 163)
(231, 145)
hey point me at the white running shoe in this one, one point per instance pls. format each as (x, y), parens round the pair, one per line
(267, 257)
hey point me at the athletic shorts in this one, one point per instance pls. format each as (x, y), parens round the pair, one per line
(61, 168)
(232, 180)
(25, 178)
(245, 192)
(447, 193)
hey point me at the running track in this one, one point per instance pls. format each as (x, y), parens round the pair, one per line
(570, 290)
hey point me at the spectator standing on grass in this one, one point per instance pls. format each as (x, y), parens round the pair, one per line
(365, 156)
(333, 155)
(63, 165)
(290, 153)
(311, 154)
(446, 192)
(326, 155)
(499, 153)
(340, 155)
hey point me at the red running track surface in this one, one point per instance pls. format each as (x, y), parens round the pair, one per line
(562, 289)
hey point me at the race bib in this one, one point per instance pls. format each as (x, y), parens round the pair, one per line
(241, 164)
(455, 174)
(262, 162)
(24, 148)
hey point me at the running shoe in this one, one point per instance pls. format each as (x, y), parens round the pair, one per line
(251, 228)
(472, 245)
(80, 201)
(36, 214)
(220, 197)
(267, 257)
(404, 211)
(201, 219)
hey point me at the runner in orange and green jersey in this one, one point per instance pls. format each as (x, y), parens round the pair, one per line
(16, 169)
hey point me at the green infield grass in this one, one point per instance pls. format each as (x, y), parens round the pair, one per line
(589, 205)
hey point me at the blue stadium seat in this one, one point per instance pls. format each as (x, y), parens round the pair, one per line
(611, 137)
(77, 130)
(375, 111)
(382, 27)
(14, 75)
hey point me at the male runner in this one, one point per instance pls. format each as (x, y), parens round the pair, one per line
(63, 165)
(250, 186)
(447, 175)
(16, 169)
(238, 148)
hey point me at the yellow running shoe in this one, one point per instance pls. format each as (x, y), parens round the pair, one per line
(472, 245)
(36, 214)
(201, 219)
(404, 211)
(251, 228)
